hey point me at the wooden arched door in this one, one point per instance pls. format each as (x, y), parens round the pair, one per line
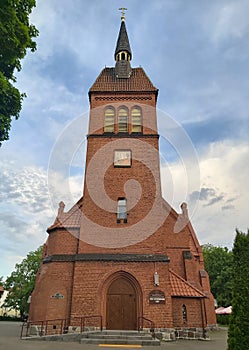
(121, 307)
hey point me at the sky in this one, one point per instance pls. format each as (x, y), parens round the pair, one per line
(195, 52)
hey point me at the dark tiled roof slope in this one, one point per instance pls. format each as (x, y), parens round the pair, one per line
(137, 82)
(70, 219)
(123, 41)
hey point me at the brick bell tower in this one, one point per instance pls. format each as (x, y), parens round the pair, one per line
(116, 253)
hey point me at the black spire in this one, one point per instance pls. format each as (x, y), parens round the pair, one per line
(123, 41)
(123, 53)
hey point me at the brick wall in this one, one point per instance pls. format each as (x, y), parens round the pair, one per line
(62, 241)
(194, 315)
(52, 295)
(89, 298)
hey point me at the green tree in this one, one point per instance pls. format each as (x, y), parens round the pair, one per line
(16, 36)
(238, 335)
(21, 282)
(218, 263)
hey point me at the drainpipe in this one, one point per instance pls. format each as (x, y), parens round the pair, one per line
(72, 282)
(203, 317)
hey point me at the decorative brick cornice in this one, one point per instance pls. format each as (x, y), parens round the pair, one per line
(106, 257)
(122, 98)
(123, 135)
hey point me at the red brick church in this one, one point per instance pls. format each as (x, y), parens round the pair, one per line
(122, 252)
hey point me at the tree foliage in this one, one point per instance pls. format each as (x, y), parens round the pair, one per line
(21, 282)
(16, 37)
(218, 263)
(238, 335)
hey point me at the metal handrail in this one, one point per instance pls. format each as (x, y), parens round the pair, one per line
(63, 324)
(44, 324)
(140, 324)
(83, 319)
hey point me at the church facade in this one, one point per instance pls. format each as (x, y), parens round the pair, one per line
(122, 252)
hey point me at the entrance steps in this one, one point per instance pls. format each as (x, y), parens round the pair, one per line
(119, 338)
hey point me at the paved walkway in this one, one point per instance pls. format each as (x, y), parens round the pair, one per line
(10, 333)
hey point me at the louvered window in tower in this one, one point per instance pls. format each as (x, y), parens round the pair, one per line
(109, 120)
(136, 120)
(122, 120)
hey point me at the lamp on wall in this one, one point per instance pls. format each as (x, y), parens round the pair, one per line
(156, 279)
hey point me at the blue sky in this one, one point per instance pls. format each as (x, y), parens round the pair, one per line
(195, 52)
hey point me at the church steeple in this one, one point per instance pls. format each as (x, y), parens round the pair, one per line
(123, 53)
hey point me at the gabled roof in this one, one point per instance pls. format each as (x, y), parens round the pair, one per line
(71, 219)
(182, 288)
(137, 82)
(123, 41)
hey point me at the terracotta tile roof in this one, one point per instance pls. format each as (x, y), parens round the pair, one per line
(182, 288)
(71, 219)
(108, 82)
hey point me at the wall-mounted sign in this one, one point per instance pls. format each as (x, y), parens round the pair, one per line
(156, 297)
(122, 158)
(57, 296)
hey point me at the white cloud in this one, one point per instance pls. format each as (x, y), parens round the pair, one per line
(69, 190)
(74, 27)
(223, 195)
(26, 209)
(227, 20)
(46, 96)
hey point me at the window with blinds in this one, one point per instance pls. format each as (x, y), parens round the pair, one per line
(136, 120)
(122, 120)
(109, 120)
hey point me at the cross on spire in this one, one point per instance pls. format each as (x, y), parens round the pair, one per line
(122, 9)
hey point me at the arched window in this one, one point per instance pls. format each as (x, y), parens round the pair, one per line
(109, 120)
(136, 120)
(122, 120)
(184, 314)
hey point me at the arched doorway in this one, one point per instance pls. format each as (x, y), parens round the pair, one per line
(121, 304)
